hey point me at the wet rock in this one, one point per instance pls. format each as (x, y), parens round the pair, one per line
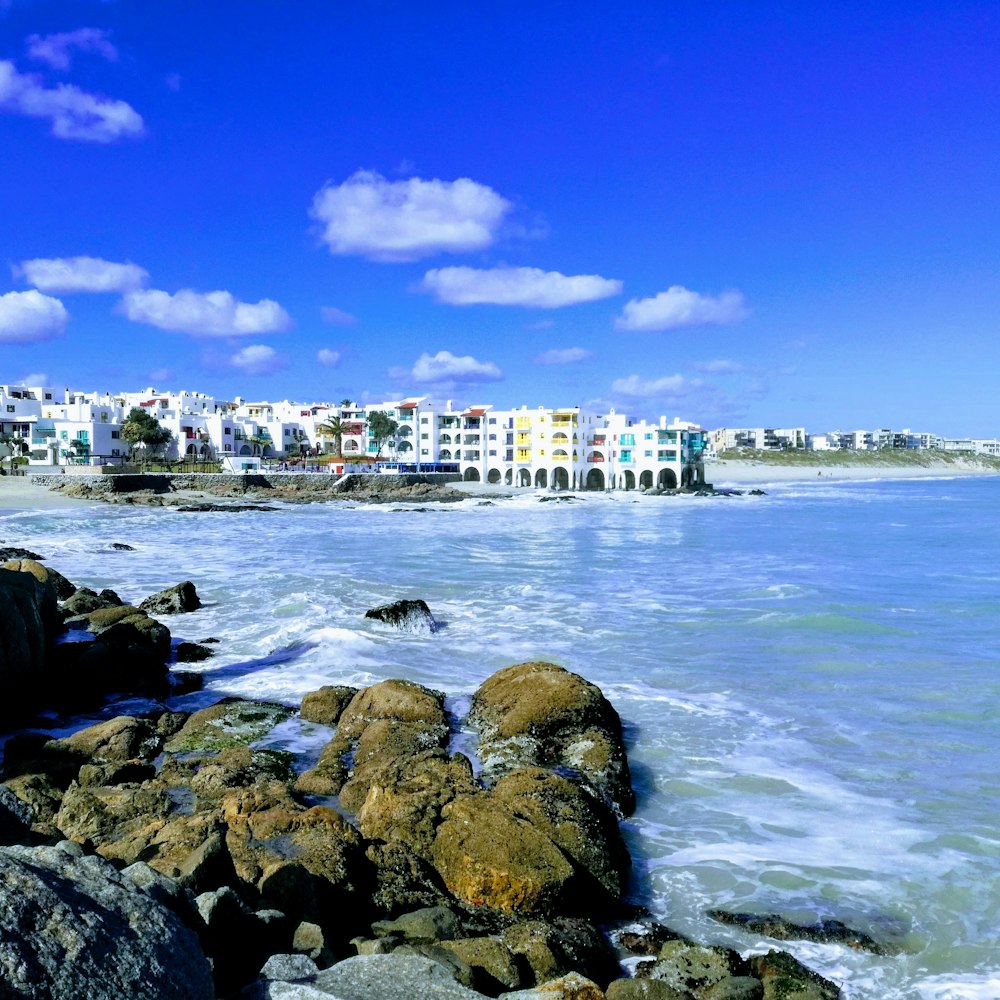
(736, 988)
(175, 600)
(562, 946)
(403, 880)
(491, 961)
(540, 714)
(643, 989)
(647, 941)
(16, 818)
(84, 600)
(73, 926)
(406, 615)
(392, 977)
(827, 931)
(191, 850)
(428, 925)
(192, 652)
(785, 978)
(29, 619)
(228, 723)
(122, 547)
(9, 553)
(325, 705)
(685, 965)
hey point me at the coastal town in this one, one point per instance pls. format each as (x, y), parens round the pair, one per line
(43, 429)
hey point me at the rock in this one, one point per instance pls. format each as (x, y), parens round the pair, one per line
(122, 547)
(540, 714)
(191, 850)
(572, 986)
(736, 988)
(310, 941)
(11, 552)
(391, 977)
(488, 857)
(72, 926)
(565, 945)
(325, 705)
(192, 652)
(685, 965)
(643, 989)
(16, 818)
(785, 978)
(428, 925)
(647, 941)
(491, 961)
(228, 723)
(403, 880)
(826, 931)
(84, 600)
(174, 600)
(290, 969)
(406, 615)
(121, 739)
(583, 828)
(458, 970)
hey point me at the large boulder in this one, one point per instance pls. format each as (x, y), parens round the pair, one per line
(173, 601)
(541, 714)
(786, 978)
(72, 926)
(325, 705)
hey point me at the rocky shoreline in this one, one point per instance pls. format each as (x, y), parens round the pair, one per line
(178, 858)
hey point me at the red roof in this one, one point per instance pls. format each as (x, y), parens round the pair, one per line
(474, 413)
(407, 406)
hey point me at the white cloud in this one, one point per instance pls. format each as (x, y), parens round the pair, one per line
(445, 368)
(55, 49)
(159, 375)
(637, 387)
(679, 307)
(515, 286)
(81, 274)
(720, 366)
(30, 317)
(209, 314)
(387, 220)
(35, 378)
(257, 359)
(337, 317)
(563, 356)
(327, 357)
(74, 113)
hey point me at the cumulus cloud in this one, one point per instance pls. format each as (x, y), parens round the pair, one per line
(337, 317)
(515, 286)
(81, 274)
(390, 221)
(563, 356)
(35, 378)
(257, 359)
(208, 314)
(445, 368)
(327, 357)
(678, 307)
(74, 113)
(637, 387)
(55, 49)
(30, 317)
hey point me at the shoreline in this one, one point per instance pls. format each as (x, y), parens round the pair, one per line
(753, 472)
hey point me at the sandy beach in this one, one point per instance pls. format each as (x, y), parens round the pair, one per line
(20, 493)
(733, 472)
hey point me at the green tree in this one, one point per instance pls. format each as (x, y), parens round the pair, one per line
(381, 427)
(142, 430)
(16, 447)
(333, 428)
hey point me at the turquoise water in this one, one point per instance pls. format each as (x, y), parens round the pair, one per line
(808, 680)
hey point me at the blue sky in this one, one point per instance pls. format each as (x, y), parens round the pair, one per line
(739, 213)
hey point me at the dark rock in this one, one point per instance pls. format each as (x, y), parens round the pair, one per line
(84, 600)
(685, 965)
(192, 652)
(429, 925)
(786, 978)
(73, 926)
(408, 616)
(9, 552)
(756, 493)
(122, 547)
(648, 941)
(493, 966)
(565, 945)
(184, 682)
(16, 818)
(826, 931)
(211, 639)
(572, 986)
(309, 940)
(643, 989)
(221, 508)
(173, 601)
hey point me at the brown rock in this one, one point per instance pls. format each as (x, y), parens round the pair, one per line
(565, 945)
(325, 705)
(786, 978)
(695, 967)
(643, 989)
(492, 962)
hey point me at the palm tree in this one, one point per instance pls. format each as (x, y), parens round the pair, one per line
(333, 428)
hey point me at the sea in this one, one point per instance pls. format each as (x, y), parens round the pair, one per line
(809, 680)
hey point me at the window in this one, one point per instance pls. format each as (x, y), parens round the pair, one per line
(648, 437)
(647, 454)
(228, 430)
(11, 408)
(115, 435)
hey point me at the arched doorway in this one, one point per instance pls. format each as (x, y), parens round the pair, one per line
(471, 475)
(560, 479)
(646, 480)
(494, 476)
(629, 479)
(508, 478)
(523, 477)
(595, 480)
(667, 479)
(541, 479)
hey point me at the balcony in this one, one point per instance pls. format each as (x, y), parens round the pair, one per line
(598, 440)
(596, 457)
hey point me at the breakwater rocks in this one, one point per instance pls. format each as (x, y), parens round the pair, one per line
(188, 491)
(66, 647)
(393, 867)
